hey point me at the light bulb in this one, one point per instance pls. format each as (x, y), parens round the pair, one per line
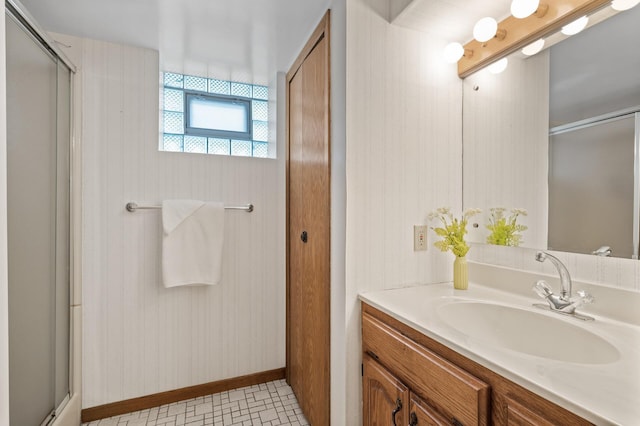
(576, 26)
(485, 29)
(498, 67)
(621, 5)
(453, 52)
(533, 48)
(523, 8)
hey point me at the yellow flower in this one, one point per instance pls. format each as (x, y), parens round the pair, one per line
(505, 231)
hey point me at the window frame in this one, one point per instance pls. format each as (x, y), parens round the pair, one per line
(212, 133)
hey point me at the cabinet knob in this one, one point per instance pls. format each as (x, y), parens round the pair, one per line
(413, 419)
(304, 236)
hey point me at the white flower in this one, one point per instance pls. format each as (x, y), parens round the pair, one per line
(471, 212)
(441, 213)
(517, 211)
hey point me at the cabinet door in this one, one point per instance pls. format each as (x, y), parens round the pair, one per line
(385, 398)
(421, 414)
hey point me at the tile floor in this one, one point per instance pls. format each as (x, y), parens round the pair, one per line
(266, 404)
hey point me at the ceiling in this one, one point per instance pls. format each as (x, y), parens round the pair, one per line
(239, 39)
(242, 40)
(451, 20)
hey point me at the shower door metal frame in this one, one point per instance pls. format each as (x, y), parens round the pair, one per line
(20, 12)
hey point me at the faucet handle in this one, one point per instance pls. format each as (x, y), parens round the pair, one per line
(585, 297)
(542, 289)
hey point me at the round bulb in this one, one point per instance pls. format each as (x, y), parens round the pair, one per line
(453, 52)
(533, 48)
(498, 67)
(621, 5)
(576, 26)
(523, 8)
(485, 29)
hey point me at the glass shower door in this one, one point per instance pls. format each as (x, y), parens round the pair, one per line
(38, 101)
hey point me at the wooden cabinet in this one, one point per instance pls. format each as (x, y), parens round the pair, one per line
(446, 388)
(437, 386)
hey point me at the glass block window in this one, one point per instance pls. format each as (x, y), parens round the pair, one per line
(206, 115)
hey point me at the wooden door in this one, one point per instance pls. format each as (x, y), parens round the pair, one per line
(308, 227)
(385, 400)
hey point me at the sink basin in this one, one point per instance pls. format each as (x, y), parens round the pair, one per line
(528, 332)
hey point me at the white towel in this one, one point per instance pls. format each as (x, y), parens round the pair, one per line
(192, 242)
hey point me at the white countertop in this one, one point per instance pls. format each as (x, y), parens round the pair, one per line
(601, 393)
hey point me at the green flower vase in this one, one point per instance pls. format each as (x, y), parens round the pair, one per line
(460, 273)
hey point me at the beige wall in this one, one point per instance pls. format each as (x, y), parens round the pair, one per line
(4, 281)
(403, 159)
(138, 337)
(339, 407)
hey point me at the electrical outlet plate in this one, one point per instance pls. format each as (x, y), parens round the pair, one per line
(420, 237)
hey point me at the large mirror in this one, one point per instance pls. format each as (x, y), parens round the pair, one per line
(551, 146)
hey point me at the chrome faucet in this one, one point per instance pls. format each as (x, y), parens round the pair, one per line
(603, 251)
(563, 303)
(565, 277)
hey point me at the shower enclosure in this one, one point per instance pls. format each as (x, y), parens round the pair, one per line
(38, 176)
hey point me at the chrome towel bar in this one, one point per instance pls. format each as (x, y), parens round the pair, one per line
(132, 207)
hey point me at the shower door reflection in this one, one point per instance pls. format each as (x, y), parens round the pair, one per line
(592, 186)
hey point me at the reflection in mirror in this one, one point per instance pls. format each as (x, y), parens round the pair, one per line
(505, 149)
(578, 187)
(591, 187)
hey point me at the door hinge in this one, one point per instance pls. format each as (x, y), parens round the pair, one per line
(362, 370)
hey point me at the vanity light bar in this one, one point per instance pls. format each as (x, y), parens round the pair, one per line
(519, 33)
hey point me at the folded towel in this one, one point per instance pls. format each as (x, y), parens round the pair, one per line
(192, 242)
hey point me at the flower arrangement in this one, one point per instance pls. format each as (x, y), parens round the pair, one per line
(453, 230)
(505, 230)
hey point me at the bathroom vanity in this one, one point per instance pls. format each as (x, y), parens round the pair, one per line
(438, 356)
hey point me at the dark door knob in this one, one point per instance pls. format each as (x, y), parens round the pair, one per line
(304, 237)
